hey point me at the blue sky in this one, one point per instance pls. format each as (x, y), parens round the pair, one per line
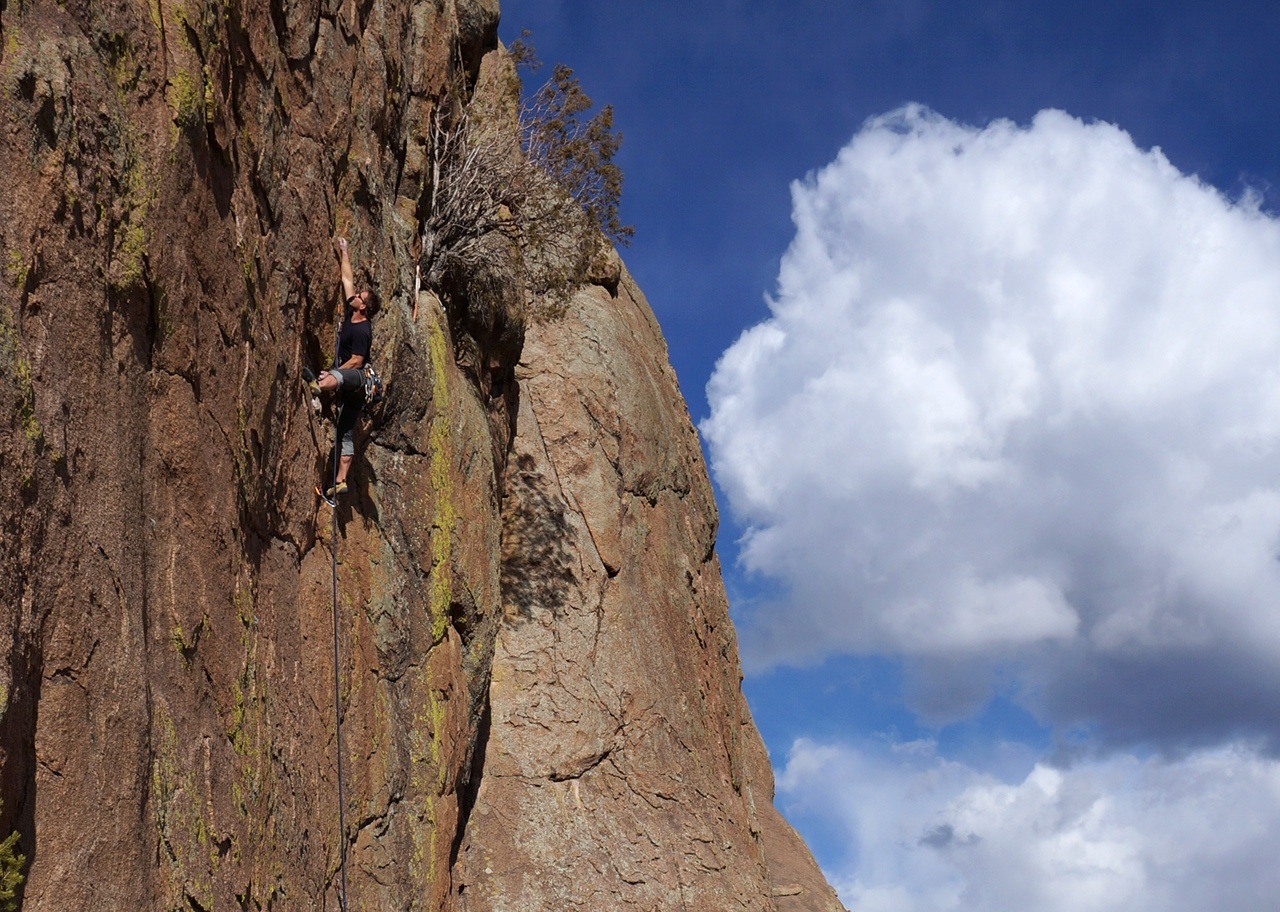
(1011, 273)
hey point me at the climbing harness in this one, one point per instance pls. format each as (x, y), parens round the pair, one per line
(374, 388)
(337, 694)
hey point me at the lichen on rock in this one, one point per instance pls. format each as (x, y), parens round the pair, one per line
(536, 674)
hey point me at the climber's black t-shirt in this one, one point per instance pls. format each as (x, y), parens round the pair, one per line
(354, 339)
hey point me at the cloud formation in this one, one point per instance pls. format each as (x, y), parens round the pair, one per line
(927, 834)
(1018, 401)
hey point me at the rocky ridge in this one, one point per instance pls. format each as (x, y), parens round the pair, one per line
(538, 675)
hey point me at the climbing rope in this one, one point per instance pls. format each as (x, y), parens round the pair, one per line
(337, 697)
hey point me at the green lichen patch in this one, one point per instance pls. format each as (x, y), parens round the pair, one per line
(15, 372)
(186, 645)
(130, 254)
(427, 752)
(248, 730)
(185, 95)
(190, 92)
(444, 517)
(428, 778)
(137, 193)
(8, 74)
(16, 269)
(179, 812)
(11, 43)
(121, 64)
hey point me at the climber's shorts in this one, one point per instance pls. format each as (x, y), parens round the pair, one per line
(351, 386)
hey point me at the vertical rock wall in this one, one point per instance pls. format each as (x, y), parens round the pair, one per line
(171, 174)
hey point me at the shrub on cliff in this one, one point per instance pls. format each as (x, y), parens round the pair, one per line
(576, 152)
(543, 181)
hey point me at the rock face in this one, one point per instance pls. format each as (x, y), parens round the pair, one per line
(537, 674)
(621, 769)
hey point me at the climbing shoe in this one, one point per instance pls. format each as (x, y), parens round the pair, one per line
(312, 385)
(339, 488)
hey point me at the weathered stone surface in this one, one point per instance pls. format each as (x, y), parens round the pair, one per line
(171, 174)
(622, 769)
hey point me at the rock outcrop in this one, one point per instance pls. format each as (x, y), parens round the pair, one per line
(538, 677)
(621, 768)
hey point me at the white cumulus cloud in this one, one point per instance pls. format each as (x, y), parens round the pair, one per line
(1019, 396)
(925, 834)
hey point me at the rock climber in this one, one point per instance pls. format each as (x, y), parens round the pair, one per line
(355, 341)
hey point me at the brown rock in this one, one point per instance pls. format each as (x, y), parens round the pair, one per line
(170, 177)
(622, 767)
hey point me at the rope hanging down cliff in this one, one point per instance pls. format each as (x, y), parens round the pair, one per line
(337, 697)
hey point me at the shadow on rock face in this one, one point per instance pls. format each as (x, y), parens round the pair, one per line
(19, 710)
(537, 565)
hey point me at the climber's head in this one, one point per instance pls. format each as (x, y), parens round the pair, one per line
(366, 302)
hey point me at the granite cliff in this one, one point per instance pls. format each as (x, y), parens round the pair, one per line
(538, 677)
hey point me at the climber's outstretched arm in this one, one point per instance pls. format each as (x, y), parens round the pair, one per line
(348, 279)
